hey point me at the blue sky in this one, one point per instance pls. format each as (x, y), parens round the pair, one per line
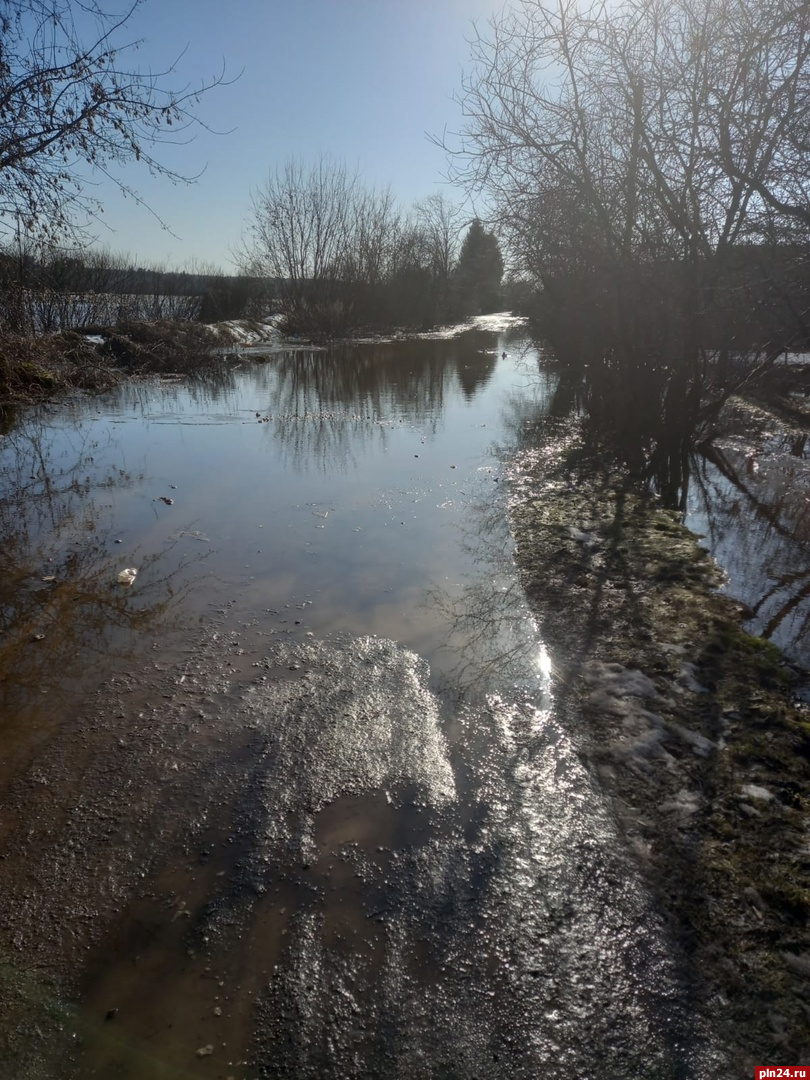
(361, 80)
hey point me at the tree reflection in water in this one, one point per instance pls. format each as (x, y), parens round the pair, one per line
(326, 405)
(754, 512)
(61, 607)
(492, 634)
(748, 498)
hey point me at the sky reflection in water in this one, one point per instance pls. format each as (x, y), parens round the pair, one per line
(357, 493)
(312, 493)
(749, 501)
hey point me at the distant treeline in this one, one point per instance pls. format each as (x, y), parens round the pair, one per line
(327, 275)
(57, 289)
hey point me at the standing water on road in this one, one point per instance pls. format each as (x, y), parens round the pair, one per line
(298, 801)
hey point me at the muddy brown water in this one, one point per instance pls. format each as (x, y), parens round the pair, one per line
(299, 801)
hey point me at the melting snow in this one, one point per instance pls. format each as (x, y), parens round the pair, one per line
(626, 692)
(685, 802)
(754, 791)
(670, 647)
(615, 684)
(800, 963)
(258, 332)
(699, 743)
(581, 536)
(688, 681)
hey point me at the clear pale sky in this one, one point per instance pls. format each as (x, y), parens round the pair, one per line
(361, 80)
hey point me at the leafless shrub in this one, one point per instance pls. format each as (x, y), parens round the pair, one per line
(646, 162)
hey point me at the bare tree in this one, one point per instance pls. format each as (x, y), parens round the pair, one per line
(298, 228)
(327, 240)
(343, 255)
(640, 157)
(371, 237)
(645, 129)
(68, 97)
(441, 221)
(761, 110)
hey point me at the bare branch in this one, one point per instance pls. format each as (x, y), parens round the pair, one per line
(66, 102)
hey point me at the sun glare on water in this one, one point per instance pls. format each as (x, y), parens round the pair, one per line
(543, 663)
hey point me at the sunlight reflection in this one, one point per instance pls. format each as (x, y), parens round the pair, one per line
(543, 663)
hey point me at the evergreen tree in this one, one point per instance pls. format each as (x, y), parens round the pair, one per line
(478, 272)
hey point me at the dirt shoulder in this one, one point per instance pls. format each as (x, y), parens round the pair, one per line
(694, 727)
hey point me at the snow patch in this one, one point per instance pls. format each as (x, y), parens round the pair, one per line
(698, 743)
(647, 745)
(625, 693)
(684, 803)
(754, 791)
(687, 680)
(615, 685)
(798, 963)
(582, 537)
(254, 332)
(670, 647)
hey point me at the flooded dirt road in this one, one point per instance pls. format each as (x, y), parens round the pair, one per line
(300, 801)
(305, 872)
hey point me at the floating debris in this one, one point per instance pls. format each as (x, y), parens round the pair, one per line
(195, 534)
(166, 499)
(126, 577)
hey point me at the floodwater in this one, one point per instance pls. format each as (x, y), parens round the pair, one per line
(299, 800)
(750, 502)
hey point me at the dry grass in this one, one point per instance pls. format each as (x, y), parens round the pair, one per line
(36, 367)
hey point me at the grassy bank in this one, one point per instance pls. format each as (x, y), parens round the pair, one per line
(36, 367)
(693, 728)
